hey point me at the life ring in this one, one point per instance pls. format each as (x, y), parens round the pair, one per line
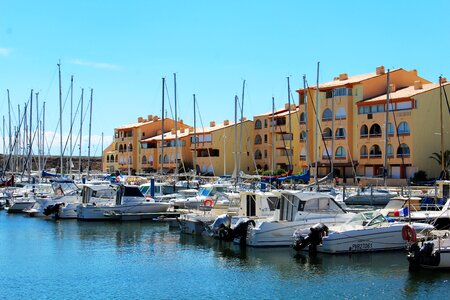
(208, 202)
(409, 233)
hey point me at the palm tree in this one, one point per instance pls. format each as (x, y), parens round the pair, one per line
(438, 158)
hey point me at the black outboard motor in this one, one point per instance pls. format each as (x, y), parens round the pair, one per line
(240, 231)
(314, 238)
(53, 209)
(423, 255)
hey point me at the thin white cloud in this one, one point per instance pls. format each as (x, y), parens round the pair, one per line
(5, 51)
(96, 65)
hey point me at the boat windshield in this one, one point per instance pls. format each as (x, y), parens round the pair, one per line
(369, 218)
(144, 189)
(378, 219)
(205, 191)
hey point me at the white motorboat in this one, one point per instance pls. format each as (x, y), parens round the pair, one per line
(295, 210)
(24, 198)
(366, 231)
(369, 196)
(432, 253)
(128, 200)
(208, 195)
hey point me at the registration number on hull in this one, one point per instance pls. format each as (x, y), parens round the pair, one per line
(361, 247)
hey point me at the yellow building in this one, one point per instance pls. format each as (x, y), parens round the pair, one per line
(125, 152)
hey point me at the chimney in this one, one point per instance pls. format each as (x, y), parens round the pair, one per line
(180, 121)
(173, 131)
(335, 78)
(140, 119)
(392, 87)
(191, 129)
(286, 106)
(155, 118)
(150, 117)
(243, 119)
(343, 76)
(414, 72)
(212, 124)
(226, 123)
(443, 80)
(417, 85)
(380, 70)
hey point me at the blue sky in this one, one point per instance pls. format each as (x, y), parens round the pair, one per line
(122, 49)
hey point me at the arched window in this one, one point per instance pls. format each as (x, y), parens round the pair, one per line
(258, 139)
(166, 158)
(130, 160)
(341, 113)
(403, 129)
(258, 124)
(327, 134)
(327, 115)
(265, 153)
(125, 148)
(302, 118)
(144, 160)
(111, 159)
(390, 150)
(150, 160)
(258, 154)
(159, 159)
(116, 160)
(258, 167)
(403, 150)
(340, 152)
(303, 136)
(107, 158)
(327, 153)
(172, 158)
(390, 129)
(303, 154)
(130, 147)
(364, 131)
(210, 169)
(265, 123)
(120, 148)
(115, 147)
(375, 151)
(363, 152)
(375, 130)
(340, 133)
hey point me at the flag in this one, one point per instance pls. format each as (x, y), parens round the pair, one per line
(403, 212)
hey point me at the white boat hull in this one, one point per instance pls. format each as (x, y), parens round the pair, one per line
(93, 212)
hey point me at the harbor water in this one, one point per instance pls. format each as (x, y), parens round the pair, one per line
(47, 259)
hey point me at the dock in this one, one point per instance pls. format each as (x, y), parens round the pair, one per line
(160, 216)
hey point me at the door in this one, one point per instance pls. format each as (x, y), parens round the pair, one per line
(395, 172)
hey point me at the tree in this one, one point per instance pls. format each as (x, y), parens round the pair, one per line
(438, 158)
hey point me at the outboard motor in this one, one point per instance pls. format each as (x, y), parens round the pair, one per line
(53, 209)
(314, 238)
(241, 228)
(423, 255)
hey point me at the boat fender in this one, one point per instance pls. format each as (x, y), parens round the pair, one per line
(208, 202)
(409, 233)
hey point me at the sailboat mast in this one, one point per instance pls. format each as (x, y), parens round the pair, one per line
(333, 134)
(240, 128)
(9, 129)
(386, 129)
(273, 136)
(81, 132)
(162, 126)
(71, 124)
(195, 138)
(308, 158)
(442, 126)
(38, 135)
(316, 148)
(4, 147)
(290, 127)
(60, 121)
(176, 123)
(30, 139)
(90, 134)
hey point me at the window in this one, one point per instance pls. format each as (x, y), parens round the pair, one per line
(390, 129)
(258, 154)
(340, 133)
(116, 160)
(326, 153)
(375, 130)
(115, 147)
(363, 152)
(390, 150)
(404, 105)
(258, 124)
(107, 159)
(144, 159)
(303, 136)
(125, 148)
(166, 158)
(265, 138)
(342, 92)
(403, 151)
(112, 158)
(130, 148)
(302, 118)
(303, 154)
(340, 152)
(265, 153)
(327, 134)
(341, 113)
(265, 123)
(364, 131)
(327, 115)
(120, 148)
(403, 129)
(258, 139)
(375, 151)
